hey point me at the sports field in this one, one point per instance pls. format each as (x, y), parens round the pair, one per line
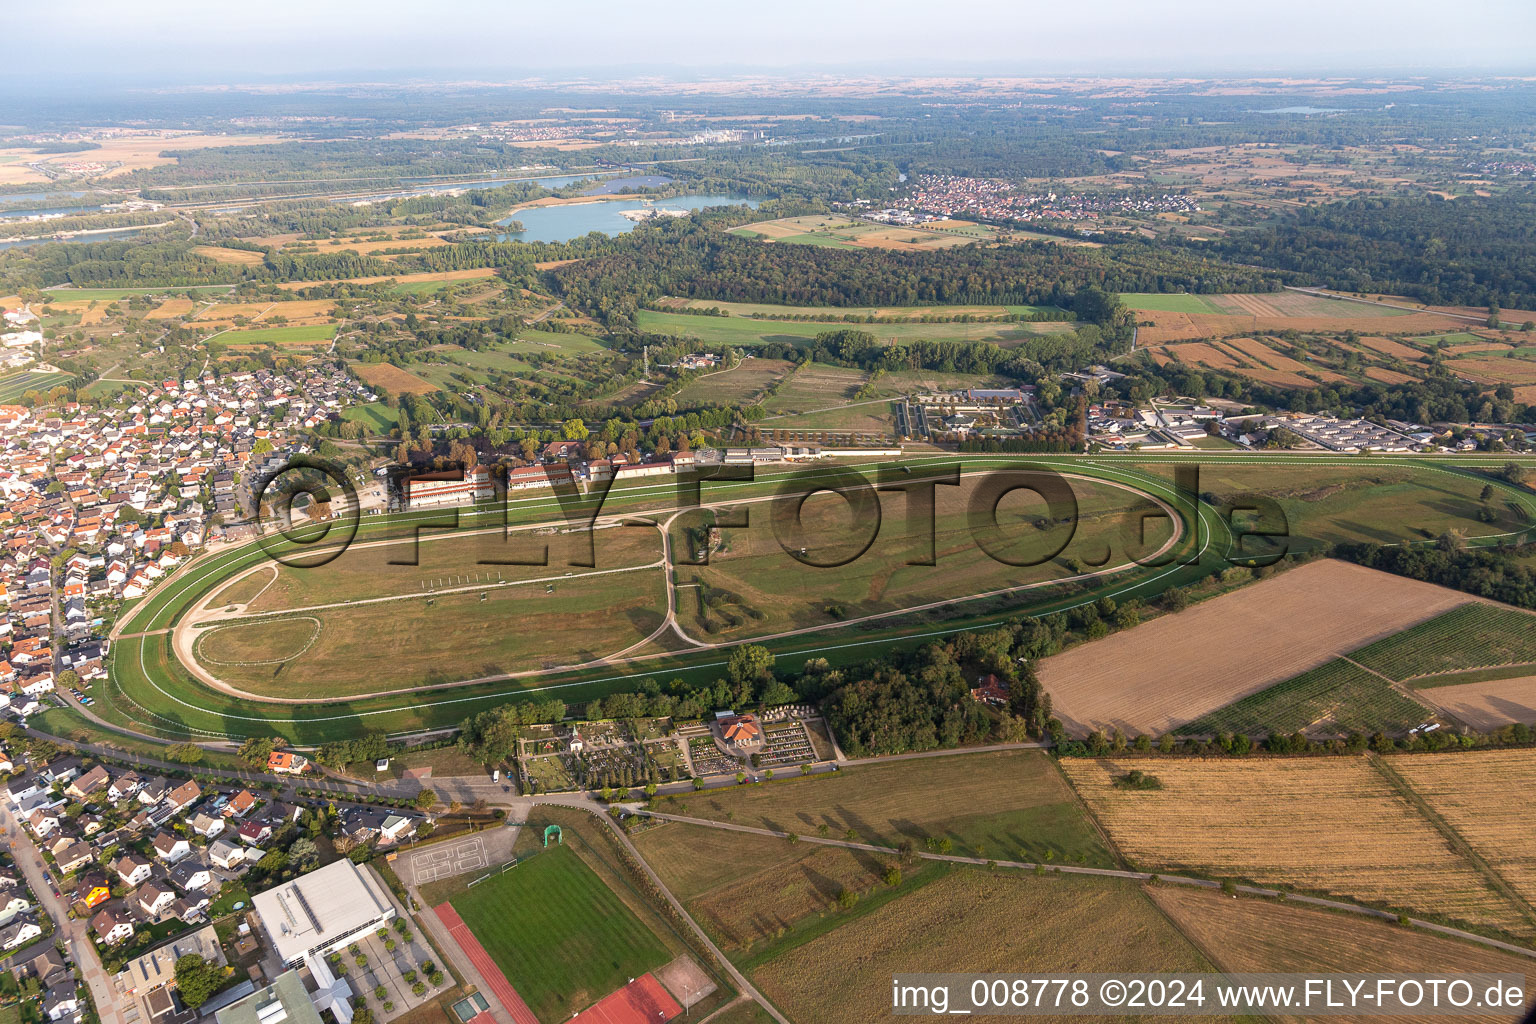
(376, 416)
(160, 696)
(562, 938)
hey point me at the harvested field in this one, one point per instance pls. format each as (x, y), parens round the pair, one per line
(1386, 376)
(1495, 370)
(171, 308)
(1172, 670)
(1179, 326)
(816, 386)
(1388, 347)
(405, 280)
(1485, 705)
(244, 257)
(1201, 354)
(1262, 353)
(1331, 825)
(742, 384)
(1262, 936)
(974, 921)
(1478, 793)
(724, 875)
(387, 375)
(1009, 805)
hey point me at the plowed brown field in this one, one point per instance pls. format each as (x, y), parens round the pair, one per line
(1172, 670)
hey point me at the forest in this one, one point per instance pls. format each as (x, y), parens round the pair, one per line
(1472, 250)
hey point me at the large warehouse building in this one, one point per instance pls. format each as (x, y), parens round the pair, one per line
(322, 911)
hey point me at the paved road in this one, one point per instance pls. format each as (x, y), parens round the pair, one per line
(75, 934)
(1141, 876)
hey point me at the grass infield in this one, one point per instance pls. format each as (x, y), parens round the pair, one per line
(563, 938)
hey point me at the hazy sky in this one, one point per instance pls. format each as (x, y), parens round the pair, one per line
(216, 39)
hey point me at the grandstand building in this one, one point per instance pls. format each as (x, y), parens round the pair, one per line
(454, 488)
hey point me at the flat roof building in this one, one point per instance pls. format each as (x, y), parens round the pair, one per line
(322, 911)
(283, 1002)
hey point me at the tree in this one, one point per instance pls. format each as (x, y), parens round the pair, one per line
(257, 750)
(303, 854)
(68, 678)
(749, 664)
(185, 753)
(197, 979)
(425, 799)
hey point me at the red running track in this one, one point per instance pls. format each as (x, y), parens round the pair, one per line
(501, 988)
(642, 1001)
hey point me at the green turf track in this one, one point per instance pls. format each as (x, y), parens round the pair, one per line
(150, 692)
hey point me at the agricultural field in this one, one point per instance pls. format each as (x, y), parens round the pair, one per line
(562, 937)
(744, 332)
(1176, 302)
(723, 878)
(971, 920)
(1172, 671)
(1483, 704)
(1474, 636)
(753, 586)
(1162, 327)
(18, 384)
(408, 283)
(280, 335)
(243, 257)
(1329, 825)
(390, 377)
(1261, 936)
(839, 313)
(1260, 359)
(742, 384)
(1479, 794)
(1009, 805)
(815, 386)
(1335, 698)
(853, 233)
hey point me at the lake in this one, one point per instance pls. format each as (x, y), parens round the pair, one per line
(551, 181)
(563, 223)
(110, 235)
(615, 185)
